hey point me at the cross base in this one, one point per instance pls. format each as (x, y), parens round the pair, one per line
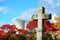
(39, 33)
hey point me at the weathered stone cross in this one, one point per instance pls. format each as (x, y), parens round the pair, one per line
(41, 17)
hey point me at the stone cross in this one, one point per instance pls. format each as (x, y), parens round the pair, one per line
(41, 17)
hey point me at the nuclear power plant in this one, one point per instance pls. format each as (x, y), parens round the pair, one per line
(20, 24)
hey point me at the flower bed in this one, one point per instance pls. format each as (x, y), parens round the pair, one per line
(10, 32)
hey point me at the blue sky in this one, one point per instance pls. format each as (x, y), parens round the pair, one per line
(23, 9)
(10, 9)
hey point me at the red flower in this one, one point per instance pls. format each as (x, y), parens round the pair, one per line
(24, 31)
(32, 24)
(1, 33)
(10, 28)
(13, 27)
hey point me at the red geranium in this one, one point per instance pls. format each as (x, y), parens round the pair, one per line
(48, 26)
(32, 24)
(1, 33)
(23, 31)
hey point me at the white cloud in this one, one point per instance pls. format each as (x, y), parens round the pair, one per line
(1, 0)
(50, 1)
(4, 9)
(7, 10)
(26, 15)
(57, 4)
(51, 6)
(53, 16)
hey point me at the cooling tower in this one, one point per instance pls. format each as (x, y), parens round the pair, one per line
(20, 24)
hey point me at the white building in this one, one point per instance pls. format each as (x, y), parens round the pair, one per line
(20, 24)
